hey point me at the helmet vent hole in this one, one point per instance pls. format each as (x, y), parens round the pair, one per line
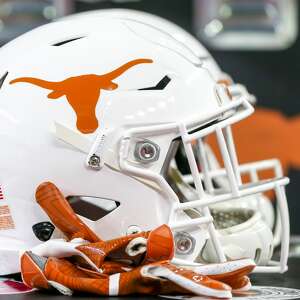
(160, 86)
(270, 252)
(257, 255)
(2, 79)
(61, 43)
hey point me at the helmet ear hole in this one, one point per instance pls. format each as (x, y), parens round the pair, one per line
(92, 208)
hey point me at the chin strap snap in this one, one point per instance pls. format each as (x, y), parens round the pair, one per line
(95, 157)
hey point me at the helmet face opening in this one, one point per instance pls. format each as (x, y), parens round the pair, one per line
(247, 201)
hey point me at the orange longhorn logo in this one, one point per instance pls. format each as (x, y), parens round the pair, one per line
(83, 92)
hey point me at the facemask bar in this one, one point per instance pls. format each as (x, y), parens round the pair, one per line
(238, 191)
(251, 169)
(241, 109)
(237, 90)
(233, 172)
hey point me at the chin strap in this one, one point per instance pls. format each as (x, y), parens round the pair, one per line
(94, 149)
(58, 209)
(72, 137)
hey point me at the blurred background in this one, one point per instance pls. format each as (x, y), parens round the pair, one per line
(255, 41)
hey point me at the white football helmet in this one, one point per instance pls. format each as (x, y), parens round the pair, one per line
(99, 108)
(190, 43)
(258, 206)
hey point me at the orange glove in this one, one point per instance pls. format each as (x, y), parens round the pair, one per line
(61, 213)
(121, 254)
(136, 249)
(233, 273)
(152, 279)
(128, 251)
